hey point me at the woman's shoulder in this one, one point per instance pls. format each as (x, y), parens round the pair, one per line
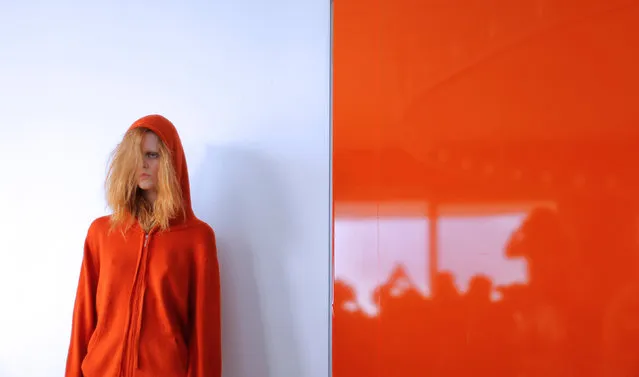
(100, 224)
(195, 225)
(200, 234)
(200, 229)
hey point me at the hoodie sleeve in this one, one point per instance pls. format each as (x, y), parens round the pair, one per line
(84, 313)
(205, 341)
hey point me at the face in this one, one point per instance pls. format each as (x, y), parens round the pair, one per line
(148, 171)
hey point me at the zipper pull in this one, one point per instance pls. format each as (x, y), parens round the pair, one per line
(146, 239)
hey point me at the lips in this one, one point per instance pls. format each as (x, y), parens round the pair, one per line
(144, 176)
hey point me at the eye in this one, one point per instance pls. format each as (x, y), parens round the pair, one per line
(152, 155)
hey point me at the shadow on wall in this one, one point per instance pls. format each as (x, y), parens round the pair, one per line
(238, 193)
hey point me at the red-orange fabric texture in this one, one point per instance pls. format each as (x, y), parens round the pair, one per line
(148, 305)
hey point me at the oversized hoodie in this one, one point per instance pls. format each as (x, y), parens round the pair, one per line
(148, 305)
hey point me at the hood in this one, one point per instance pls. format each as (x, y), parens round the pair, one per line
(167, 132)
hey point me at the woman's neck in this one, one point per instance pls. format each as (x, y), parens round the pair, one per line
(150, 196)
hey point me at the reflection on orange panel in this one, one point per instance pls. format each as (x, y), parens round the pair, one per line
(486, 180)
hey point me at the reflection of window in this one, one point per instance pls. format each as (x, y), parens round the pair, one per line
(367, 250)
(371, 241)
(474, 245)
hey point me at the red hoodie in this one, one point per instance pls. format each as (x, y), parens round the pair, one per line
(148, 305)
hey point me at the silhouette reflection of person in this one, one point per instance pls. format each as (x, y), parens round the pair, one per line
(541, 322)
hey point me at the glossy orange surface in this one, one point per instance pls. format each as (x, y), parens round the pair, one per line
(486, 188)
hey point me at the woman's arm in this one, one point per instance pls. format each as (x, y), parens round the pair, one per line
(84, 313)
(205, 341)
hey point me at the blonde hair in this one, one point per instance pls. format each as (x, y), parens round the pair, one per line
(126, 199)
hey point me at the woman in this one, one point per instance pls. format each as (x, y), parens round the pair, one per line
(148, 299)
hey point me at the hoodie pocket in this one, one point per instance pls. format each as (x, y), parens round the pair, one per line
(181, 351)
(95, 337)
(95, 362)
(162, 353)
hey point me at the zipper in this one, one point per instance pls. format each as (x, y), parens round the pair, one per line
(133, 319)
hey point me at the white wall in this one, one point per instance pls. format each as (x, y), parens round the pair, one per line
(247, 84)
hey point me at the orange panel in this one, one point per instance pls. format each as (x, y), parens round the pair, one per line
(485, 188)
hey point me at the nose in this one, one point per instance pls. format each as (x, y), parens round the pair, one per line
(145, 163)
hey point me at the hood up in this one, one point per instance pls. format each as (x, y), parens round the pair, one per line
(167, 132)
